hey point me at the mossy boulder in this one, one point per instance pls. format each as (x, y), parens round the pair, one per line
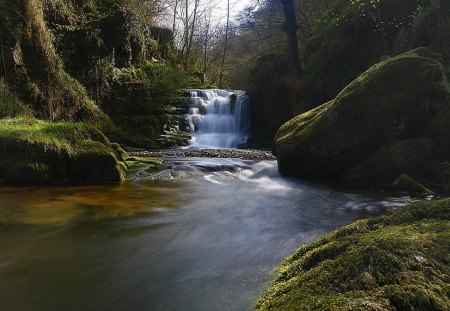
(36, 152)
(390, 120)
(143, 167)
(399, 261)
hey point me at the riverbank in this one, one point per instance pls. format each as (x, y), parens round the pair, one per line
(36, 152)
(242, 154)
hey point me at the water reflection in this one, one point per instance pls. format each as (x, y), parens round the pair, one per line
(61, 205)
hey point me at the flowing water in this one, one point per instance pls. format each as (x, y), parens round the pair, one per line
(205, 235)
(219, 118)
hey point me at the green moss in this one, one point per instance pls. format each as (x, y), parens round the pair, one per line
(39, 76)
(95, 162)
(72, 57)
(34, 151)
(10, 104)
(143, 167)
(121, 154)
(394, 262)
(405, 182)
(57, 137)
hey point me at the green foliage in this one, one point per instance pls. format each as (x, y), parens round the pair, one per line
(430, 26)
(372, 27)
(377, 29)
(398, 261)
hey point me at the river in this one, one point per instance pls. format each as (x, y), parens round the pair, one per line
(205, 235)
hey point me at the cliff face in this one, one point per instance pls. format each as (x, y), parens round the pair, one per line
(34, 70)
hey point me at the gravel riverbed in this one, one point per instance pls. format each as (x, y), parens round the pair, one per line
(243, 154)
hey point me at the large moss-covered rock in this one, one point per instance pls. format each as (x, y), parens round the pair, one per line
(390, 120)
(35, 152)
(395, 262)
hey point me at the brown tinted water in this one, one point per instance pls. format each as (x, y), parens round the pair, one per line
(204, 236)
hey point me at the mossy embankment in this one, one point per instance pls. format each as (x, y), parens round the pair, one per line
(399, 261)
(390, 122)
(34, 151)
(37, 152)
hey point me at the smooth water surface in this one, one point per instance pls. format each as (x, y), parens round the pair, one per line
(204, 236)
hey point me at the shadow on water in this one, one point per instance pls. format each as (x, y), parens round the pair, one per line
(205, 235)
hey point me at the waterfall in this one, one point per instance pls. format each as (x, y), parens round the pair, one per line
(219, 118)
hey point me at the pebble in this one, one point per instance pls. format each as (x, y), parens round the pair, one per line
(243, 154)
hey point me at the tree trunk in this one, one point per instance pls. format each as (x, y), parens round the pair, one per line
(292, 40)
(174, 25)
(205, 47)
(3, 60)
(186, 34)
(226, 45)
(191, 36)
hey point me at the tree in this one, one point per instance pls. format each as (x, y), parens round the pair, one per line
(206, 41)
(225, 44)
(191, 35)
(174, 23)
(292, 40)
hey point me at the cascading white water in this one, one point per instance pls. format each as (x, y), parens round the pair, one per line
(219, 118)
